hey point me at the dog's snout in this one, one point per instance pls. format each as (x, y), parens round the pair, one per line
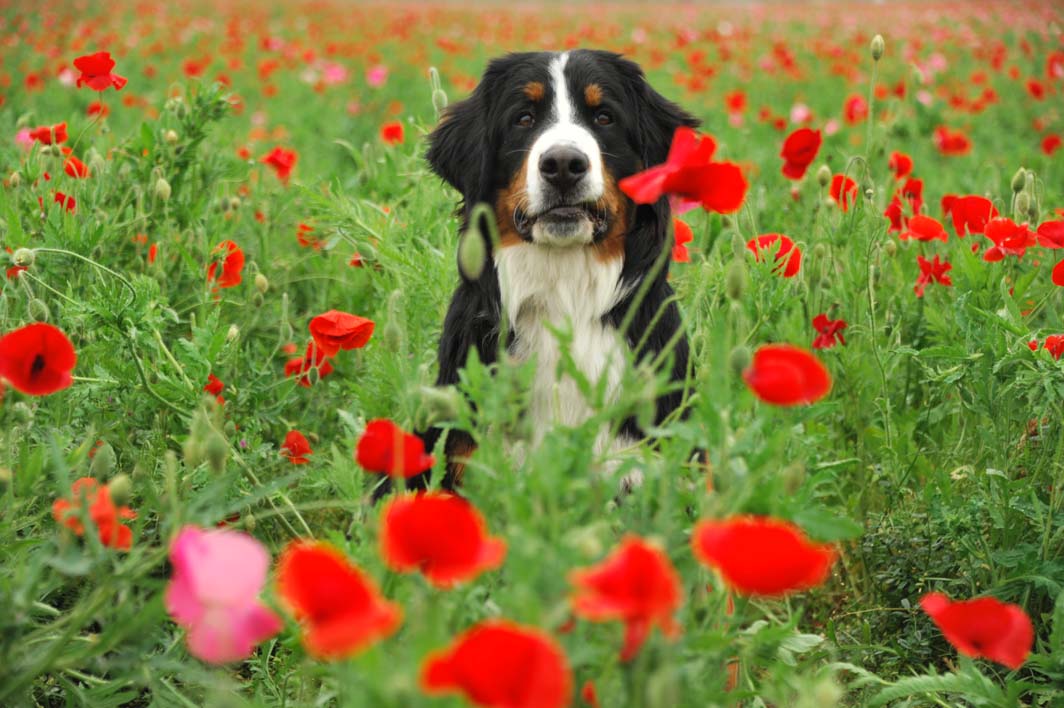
(563, 166)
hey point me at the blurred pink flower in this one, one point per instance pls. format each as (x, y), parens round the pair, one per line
(377, 75)
(831, 127)
(23, 139)
(800, 113)
(214, 590)
(334, 73)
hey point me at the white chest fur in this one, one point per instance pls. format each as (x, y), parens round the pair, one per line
(570, 289)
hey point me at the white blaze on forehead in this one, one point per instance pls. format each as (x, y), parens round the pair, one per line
(563, 129)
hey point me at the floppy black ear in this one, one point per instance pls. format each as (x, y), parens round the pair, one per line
(456, 146)
(658, 120)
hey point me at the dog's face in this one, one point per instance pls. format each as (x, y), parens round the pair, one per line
(546, 137)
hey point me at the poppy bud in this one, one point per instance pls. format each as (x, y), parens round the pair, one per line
(139, 472)
(121, 488)
(15, 179)
(234, 203)
(738, 246)
(103, 462)
(233, 334)
(735, 280)
(176, 106)
(739, 360)
(819, 251)
(1023, 204)
(1019, 180)
(437, 404)
(823, 176)
(229, 428)
(50, 150)
(257, 299)
(472, 253)
(161, 189)
(192, 452)
(38, 310)
(249, 522)
(216, 450)
(23, 257)
(869, 193)
(170, 136)
(6, 476)
(878, 46)
(262, 283)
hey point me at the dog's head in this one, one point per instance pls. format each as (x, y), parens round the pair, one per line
(546, 137)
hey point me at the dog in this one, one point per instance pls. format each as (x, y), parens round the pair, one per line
(544, 140)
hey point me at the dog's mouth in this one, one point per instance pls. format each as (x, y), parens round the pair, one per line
(562, 216)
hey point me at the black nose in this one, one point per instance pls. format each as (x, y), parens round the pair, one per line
(563, 166)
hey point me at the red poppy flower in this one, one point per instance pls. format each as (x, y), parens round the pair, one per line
(13, 271)
(689, 173)
(589, 695)
(799, 151)
(96, 72)
(305, 239)
(87, 492)
(340, 609)
(392, 133)
(682, 235)
(313, 359)
(76, 168)
(931, 271)
(1037, 89)
(500, 664)
(214, 387)
(1054, 344)
(983, 628)
(282, 161)
(829, 332)
(951, 142)
(69, 203)
(1051, 143)
(896, 215)
(843, 191)
(232, 261)
(1010, 239)
(913, 192)
(37, 359)
(98, 108)
(439, 534)
(385, 448)
(786, 375)
(901, 164)
(970, 213)
(855, 109)
(636, 584)
(50, 135)
(1051, 234)
(296, 448)
(758, 555)
(335, 330)
(924, 228)
(788, 256)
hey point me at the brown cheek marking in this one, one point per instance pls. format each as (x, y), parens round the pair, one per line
(506, 202)
(534, 91)
(593, 95)
(457, 457)
(616, 205)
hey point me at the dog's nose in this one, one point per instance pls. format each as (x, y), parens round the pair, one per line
(563, 166)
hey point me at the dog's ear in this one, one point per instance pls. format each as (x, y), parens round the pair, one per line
(456, 146)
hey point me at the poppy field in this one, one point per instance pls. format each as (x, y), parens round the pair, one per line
(226, 266)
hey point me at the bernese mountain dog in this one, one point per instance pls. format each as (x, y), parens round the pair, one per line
(544, 139)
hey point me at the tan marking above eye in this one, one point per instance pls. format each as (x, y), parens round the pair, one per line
(593, 95)
(534, 91)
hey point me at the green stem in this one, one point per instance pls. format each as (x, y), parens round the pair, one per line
(121, 278)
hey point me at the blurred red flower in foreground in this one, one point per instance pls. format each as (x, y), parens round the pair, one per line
(339, 608)
(282, 161)
(37, 359)
(392, 133)
(924, 228)
(799, 150)
(214, 593)
(500, 664)
(636, 584)
(301, 366)
(758, 555)
(385, 448)
(843, 191)
(296, 448)
(1010, 239)
(829, 332)
(1051, 234)
(96, 72)
(787, 255)
(88, 493)
(951, 142)
(232, 262)
(785, 375)
(931, 271)
(983, 628)
(50, 135)
(690, 173)
(439, 534)
(336, 330)
(682, 235)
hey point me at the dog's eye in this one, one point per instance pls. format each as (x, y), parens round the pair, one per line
(525, 120)
(604, 118)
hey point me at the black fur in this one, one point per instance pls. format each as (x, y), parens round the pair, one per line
(476, 150)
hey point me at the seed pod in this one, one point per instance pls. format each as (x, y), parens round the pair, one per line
(890, 248)
(38, 310)
(121, 488)
(1019, 180)
(232, 334)
(262, 283)
(1023, 204)
(103, 462)
(878, 46)
(823, 176)
(472, 253)
(739, 360)
(735, 280)
(161, 189)
(170, 136)
(250, 522)
(216, 450)
(24, 257)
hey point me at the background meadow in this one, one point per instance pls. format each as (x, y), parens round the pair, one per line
(934, 464)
